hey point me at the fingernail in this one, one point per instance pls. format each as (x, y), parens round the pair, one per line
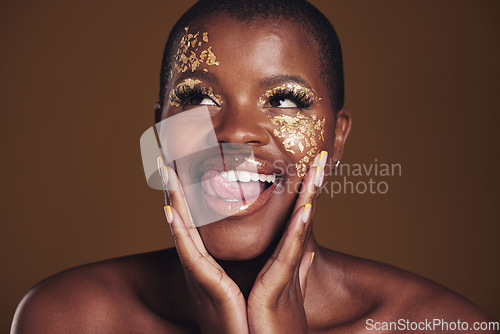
(306, 213)
(168, 214)
(164, 175)
(323, 156)
(312, 258)
(159, 163)
(318, 180)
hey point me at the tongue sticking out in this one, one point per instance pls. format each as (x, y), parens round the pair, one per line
(215, 184)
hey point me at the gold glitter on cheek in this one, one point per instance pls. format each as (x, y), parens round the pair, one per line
(301, 131)
(190, 54)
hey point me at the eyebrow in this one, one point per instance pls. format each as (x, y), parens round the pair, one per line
(283, 78)
(206, 76)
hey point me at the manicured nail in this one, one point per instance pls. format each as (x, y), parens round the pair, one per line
(168, 214)
(164, 175)
(159, 163)
(323, 156)
(312, 258)
(306, 213)
(320, 173)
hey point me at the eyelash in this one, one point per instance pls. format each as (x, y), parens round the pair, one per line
(300, 98)
(182, 95)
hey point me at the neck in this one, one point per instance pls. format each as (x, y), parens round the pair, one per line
(244, 273)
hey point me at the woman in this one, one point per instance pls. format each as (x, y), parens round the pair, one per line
(269, 74)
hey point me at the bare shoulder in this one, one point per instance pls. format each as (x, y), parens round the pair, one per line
(104, 297)
(395, 296)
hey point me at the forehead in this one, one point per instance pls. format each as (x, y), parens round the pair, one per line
(259, 49)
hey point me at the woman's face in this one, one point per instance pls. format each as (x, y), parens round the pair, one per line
(261, 84)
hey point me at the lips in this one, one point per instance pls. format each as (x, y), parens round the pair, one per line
(237, 185)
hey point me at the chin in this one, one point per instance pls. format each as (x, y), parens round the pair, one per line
(235, 241)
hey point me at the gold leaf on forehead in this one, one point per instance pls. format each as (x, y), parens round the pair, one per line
(189, 45)
(211, 59)
(301, 147)
(194, 65)
(203, 55)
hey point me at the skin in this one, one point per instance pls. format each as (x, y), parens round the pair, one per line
(263, 282)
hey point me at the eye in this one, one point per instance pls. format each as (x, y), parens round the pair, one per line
(200, 100)
(281, 102)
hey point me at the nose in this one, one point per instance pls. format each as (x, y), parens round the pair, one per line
(241, 124)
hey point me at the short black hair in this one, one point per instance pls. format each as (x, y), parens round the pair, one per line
(300, 12)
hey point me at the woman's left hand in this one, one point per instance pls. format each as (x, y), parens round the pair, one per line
(276, 301)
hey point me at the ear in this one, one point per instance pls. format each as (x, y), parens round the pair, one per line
(157, 112)
(342, 129)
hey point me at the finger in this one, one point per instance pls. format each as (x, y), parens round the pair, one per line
(173, 188)
(309, 190)
(312, 182)
(285, 260)
(191, 258)
(305, 265)
(180, 202)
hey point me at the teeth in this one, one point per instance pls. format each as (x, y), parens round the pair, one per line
(244, 176)
(231, 176)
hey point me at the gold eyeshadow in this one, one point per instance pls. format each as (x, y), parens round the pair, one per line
(191, 53)
(297, 129)
(186, 89)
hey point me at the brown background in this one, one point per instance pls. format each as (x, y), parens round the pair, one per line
(78, 85)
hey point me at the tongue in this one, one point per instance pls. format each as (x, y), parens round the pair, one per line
(215, 184)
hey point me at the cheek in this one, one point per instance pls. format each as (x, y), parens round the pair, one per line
(300, 135)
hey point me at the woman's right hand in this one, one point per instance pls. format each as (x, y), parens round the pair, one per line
(220, 305)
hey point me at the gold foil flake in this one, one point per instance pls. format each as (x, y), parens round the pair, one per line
(298, 90)
(301, 131)
(189, 55)
(212, 59)
(184, 87)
